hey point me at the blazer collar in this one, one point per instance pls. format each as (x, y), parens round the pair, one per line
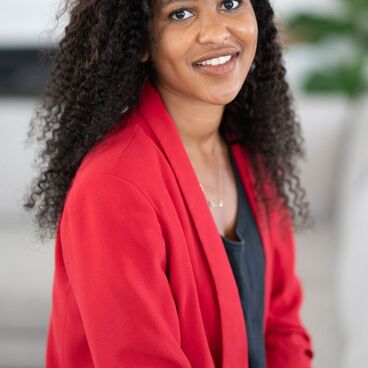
(155, 118)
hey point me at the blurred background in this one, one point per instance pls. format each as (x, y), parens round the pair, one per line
(326, 55)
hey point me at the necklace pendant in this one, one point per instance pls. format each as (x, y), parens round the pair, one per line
(215, 203)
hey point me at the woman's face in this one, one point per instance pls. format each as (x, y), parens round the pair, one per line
(187, 31)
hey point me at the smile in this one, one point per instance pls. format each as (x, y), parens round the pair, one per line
(218, 66)
(216, 61)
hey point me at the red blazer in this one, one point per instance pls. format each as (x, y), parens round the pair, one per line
(142, 278)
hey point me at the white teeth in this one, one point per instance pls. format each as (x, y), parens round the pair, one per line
(216, 61)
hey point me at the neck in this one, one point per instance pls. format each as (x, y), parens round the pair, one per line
(197, 122)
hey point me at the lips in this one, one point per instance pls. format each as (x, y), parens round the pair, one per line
(216, 54)
(219, 70)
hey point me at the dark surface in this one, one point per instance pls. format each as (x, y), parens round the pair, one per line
(247, 261)
(24, 71)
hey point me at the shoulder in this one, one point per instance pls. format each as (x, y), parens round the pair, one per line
(270, 204)
(126, 160)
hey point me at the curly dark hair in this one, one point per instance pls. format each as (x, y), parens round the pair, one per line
(97, 76)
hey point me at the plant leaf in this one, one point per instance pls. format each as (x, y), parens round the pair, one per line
(343, 78)
(307, 27)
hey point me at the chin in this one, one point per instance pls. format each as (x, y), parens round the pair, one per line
(223, 97)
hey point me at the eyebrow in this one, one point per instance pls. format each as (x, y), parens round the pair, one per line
(168, 2)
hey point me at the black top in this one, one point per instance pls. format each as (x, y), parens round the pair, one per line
(247, 262)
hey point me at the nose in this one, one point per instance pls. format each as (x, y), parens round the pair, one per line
(216, 33)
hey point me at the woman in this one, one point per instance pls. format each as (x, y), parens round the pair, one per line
(170, 147)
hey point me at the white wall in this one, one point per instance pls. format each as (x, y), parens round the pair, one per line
(22, 22)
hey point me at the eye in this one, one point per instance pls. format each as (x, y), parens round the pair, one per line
(180, 14)
(229, 3)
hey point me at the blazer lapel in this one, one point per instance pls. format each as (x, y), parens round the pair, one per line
(156, 118)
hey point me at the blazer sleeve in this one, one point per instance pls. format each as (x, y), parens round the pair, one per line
(288, 344)
(114, 254)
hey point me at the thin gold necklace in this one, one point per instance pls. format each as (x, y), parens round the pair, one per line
(213, 203)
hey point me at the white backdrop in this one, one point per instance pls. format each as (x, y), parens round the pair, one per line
(26, 270)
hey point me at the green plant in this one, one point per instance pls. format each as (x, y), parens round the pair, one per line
(349, 77)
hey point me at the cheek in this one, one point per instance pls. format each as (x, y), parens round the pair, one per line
(253, 31)
(170, 47)
(247, 30)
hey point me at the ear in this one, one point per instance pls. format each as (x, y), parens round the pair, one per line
(145, 57)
